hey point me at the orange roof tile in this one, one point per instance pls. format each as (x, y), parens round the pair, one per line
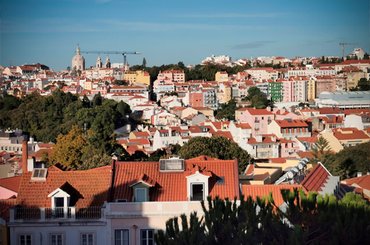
(264, 191)
(363, 181)
(11, 183)
(291, 123)
(349, 133)
(171, 186)
(316, 179)
(35, 193)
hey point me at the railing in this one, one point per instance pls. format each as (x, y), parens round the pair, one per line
(49, 214)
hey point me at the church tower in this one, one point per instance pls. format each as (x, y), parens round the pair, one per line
(99, 63)
(107, 63)
(78, 61)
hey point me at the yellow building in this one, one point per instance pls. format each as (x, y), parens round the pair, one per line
(221, 76)
(133, 77)
(344, 137)
(311, 90)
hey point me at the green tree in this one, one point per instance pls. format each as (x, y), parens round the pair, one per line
(307, 219)
(97, 100)
(320, 149)
(227, 111)
(363, 84)
(144, 63)
(349, 161)
(218, 147)
(69, 148)
(257, 98)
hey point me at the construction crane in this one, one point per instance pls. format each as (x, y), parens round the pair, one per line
(343, 47)
(123, 53)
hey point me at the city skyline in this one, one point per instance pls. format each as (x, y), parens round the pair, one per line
(169, 32)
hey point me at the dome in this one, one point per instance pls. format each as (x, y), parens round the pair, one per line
(78, 61)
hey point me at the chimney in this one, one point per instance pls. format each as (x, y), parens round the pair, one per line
(24, 154)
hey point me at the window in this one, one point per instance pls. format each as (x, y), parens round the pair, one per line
(140, 195)
(58, 202)
(25, 239)
(87, 239)
(147, 237)
(121, 237)
(197, 192)
(56, 239)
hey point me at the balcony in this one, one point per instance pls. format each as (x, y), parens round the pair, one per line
(21, 214)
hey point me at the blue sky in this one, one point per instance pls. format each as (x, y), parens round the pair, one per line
(48, 31)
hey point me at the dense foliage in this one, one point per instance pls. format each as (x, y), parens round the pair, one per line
(49, 117)
(226, 111)
(198, 72)
(218, 147)
(308, 219)
(348, 161)
(257, 98)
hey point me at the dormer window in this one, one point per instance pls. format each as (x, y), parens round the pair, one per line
(62, 198)
(140, 188)
(141, 194)
(197, 185)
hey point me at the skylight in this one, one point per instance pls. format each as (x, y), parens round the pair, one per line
(39, 174)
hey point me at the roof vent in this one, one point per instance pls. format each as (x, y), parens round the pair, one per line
(39, 174)
(172, 164)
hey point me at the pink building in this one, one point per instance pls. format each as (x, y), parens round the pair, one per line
(196, 99)
(288, 90)
(258, 119)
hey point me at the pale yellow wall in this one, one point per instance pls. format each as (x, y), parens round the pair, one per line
(311, 90)
(353, 77)
(221, 77)
(334, 143)
(273, 128)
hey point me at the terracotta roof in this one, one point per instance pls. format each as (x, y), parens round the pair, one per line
(256, 112)
(356, 111)
(225, 134)
(266, 139)
(363, 181)
(11, 183)
(305, 154)
(139, 134)
(93, 185)
(264, 191)
(349, 134)
(41, 153)
(311, 140)
(291, 123)
(316, 179)
(329, 110)
(171, 186)
(243, 125)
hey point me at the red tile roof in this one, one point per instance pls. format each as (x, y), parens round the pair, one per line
(349, 134)
(93, 185)
(225, 134)
(291, 123)
(316, 179)
(171, 186)
(363, 181)
(264, 191)
(256, 112)
(329, 110)
(11, 183)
